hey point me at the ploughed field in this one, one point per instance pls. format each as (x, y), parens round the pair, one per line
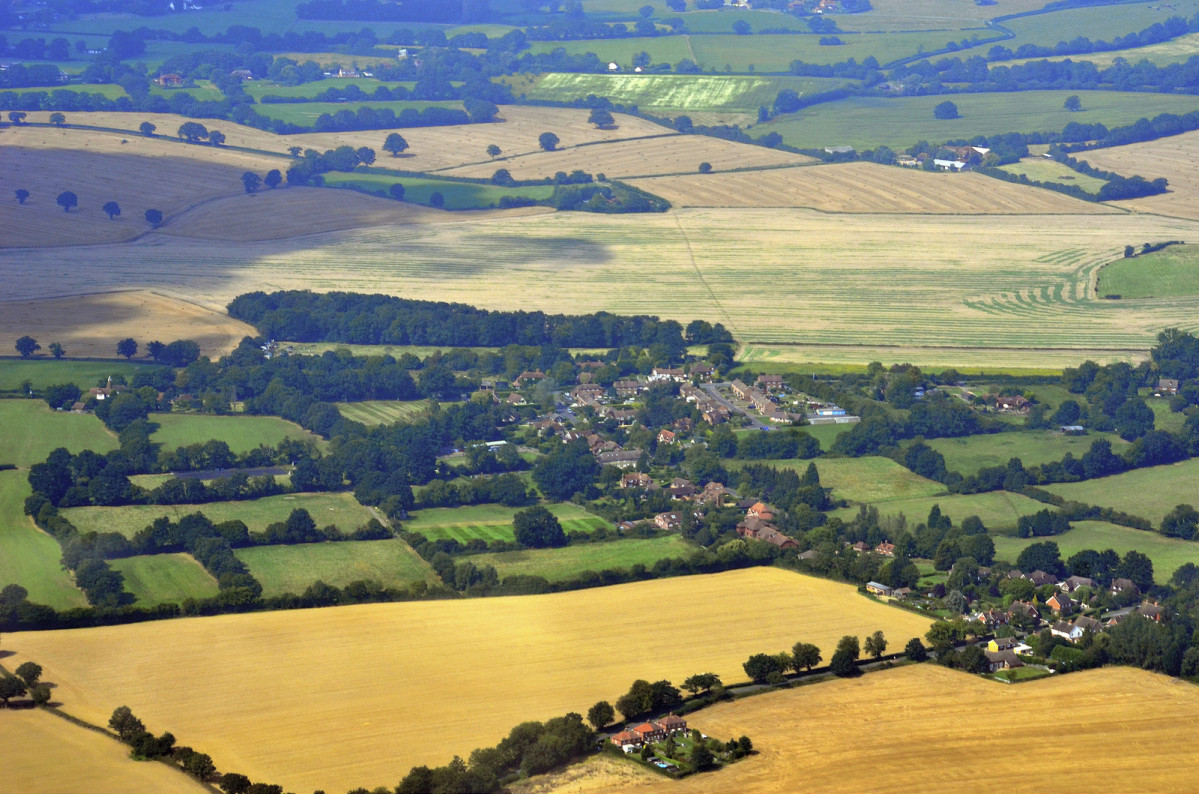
(350, 694)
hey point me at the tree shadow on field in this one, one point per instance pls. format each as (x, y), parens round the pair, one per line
(5, 654)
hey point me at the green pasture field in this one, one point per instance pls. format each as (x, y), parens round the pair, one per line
(423, 351)
(306, 113)
(662, 49)
(1104, 22)
(418, 190)
(152, 481)
(775, 52)
(673, 94)
(28, 556)
(384, 412)
(899, 122)
(1167, 273)
(1149, 493)
(41, 373)
(1042, 169)
(241, 433)
(261, 88)
(491, 521)
(867, 480)
(721, 20)
(998, 509)
(31, 431)
(270, 16)
(1163, 417)
(1167, 554)
(165, 578)
(826, 434)
(203, 91)
(569, 561)
(108, 90)
(290, 569)
(1033, 447)
(339, 509)
(1167, 52)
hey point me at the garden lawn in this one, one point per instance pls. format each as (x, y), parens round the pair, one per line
(28, 556)
(1167, 554)
(339, 509)
(1149, 493)
(969, 454)
(165, 578)
(491, 521)
(998, 509)
(570, 561)
(290, 569)
(241, 433)
(31, 431)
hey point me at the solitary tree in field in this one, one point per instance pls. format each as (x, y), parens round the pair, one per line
(27, 346)
(548, 141)
(366, 155)
(273, 178)
(876, 644)
(251, 181)
(945, 110)
(216, 137)
(538, 528)
(57, 350)
(66, 200)
(58, 119)
(436, 199)
(192, 131)
(396, 191)
(146, 128)
(493, 151)
(154, 218)
(16, 116)
(601, 118)
(705, 168)
(294, 151)
(112, 210)
(395, 144)
(127, 347)
(22, 194)
(742, 28)
(1073, 103)
(646, 11)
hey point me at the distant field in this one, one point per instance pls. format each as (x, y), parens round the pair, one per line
(241, 433)
(865, 480)
(663, 49)
(1167, 554)
(491, 521)
(261, 88)
(32, 431)
(867, 122)
(91, 325)
(1096, 24)
(165, 578)
(1033, 447)
(43, 372)
(383, 412)
(1167, 273)
(826, 434)
(819, 359)
(306, 113)
(49, 755)
(774, 53)
(1042, 169)
(864, 187)
(1167, 52)
(1166, 157)
(455, 195)
(326, 508)
(565, 563)
(365, 671)
(998, 509)
(28, 556)
(1112, 711)
(290, 569)
(1149, 493)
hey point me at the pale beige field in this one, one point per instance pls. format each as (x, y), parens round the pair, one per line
(48, 755)
(91, 325)
(925, 728)
(865, 187)
(669, 154)
(350, 694)
(1166, 52)
(598, 774)
(1173, 158)
(167, 126)
(139, 175)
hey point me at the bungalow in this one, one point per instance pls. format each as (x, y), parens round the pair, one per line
(756, 529)
(636, 479)
(886, 549)
(516, 399)
(1166, 387)
(1014, 404)
(1040, 578)
(878, 588)
(861, 547)
(901, 592)
(702, 370)
(660, 374)
(1154, 612)
(1060, 603)
(525, 378)
(681, 488)
(669, 521)
(169, 80)
(242, 74)
(949, 165)
(1072, 583)
(771, 382)
(1002, 660)
(628, 388)
(1074, 631)
(1122, 585)
(666, 437)
(621, 458)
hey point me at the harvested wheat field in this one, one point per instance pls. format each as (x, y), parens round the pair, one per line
(668, 154)
(140, 175)
(91, 325)
(299, 211)
(1172, 157)
(865, 187)
(167, 126)
(350, 693)
(925, 728)
(49, 755)
(599, 774)
(516, 132)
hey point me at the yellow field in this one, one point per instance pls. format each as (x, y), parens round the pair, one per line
(864, 187)
(1048, 361)
(1173, 157)
(925, 728)
(99, 167)
(599, 774)
(357, 695)
(668, 154)
(49, 755)
(91, 325)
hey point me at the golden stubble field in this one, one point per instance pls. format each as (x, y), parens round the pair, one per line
(91, 325)
(1173, 158)
(928, 729)
(336, 698)
(48, 755)
(865, 187)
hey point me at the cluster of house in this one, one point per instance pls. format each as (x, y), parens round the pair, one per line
(632, 739)
(681, 489)
(758, 396)
(757, 526)
(99, 393)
